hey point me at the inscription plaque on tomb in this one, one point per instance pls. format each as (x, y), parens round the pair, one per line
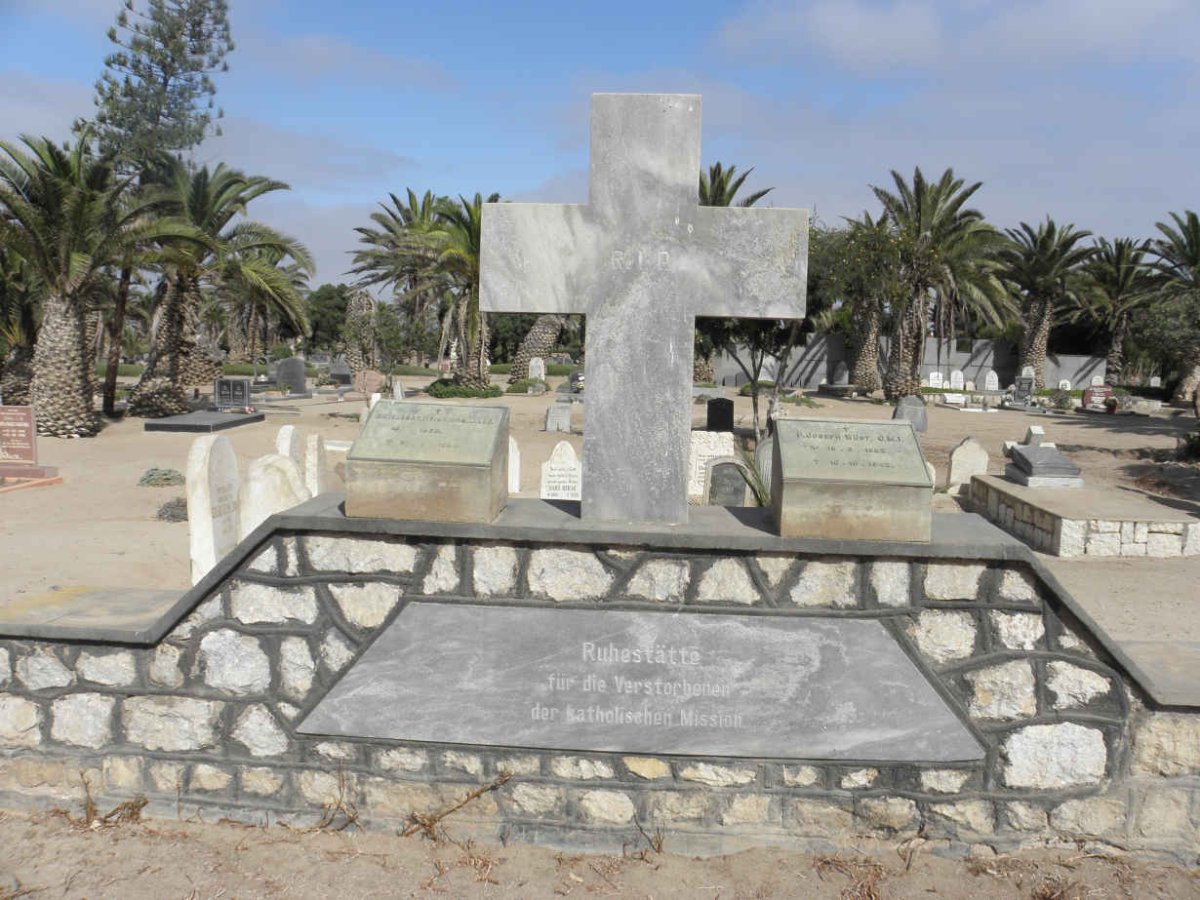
(643, 682)
(231, 393)
(18, 436)
(429, 461)
(850, 480)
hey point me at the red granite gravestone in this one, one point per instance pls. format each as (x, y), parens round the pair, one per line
(18, 445)
(1094, 397)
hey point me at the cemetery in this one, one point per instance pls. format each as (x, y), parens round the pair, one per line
(598, 517)
(869, 651)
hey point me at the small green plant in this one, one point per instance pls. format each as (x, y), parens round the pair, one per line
(800, 400)
(1060, 399)
(754, 479)
(444, 388)
(744, 390)
(522, 385)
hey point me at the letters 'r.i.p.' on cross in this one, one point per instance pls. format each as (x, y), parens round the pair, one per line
(641, 260)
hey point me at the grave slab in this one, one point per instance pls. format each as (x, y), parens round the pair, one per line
(851, 480)
(89, 613)
(429, 461)
(203, 422)
(644, 682)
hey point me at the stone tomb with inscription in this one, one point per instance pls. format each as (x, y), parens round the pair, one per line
(18, 445)
(429, 461)
(643, 682)
(850, 481)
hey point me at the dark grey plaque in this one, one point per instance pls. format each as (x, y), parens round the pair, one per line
(231, 393)
(291, 375)
(829, 450)
(720, 415)
(1043, 461)
(644, 682)
(726, 485)
(1022, 389)
(913, 409)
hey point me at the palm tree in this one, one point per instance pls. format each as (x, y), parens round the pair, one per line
(1178, 268)
(867, 272)
(944, 250)
(1121, 284)
(719, 186)
(235, 254)
(1043, 267)
(456, 244)
(19, 300)
(69, 216)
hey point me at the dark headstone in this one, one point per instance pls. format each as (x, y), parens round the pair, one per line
(339, 371)
(726, 485)
(720, 415)
(291, 377)
(841, 374)
(912, 408)
(1043, 462)
(1022, 389)
(576, 679)
(231, 393)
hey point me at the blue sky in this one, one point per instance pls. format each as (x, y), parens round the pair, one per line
(1081, 109)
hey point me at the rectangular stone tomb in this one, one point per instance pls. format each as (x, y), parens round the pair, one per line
(1043, 462)
(784, 687)
(429, 462)
(203, 422)
(844, 480)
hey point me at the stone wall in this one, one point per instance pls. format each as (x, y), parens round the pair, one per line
(204, 719)
(1058, 536)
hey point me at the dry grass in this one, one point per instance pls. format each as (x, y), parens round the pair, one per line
(865, 875)
(428, 825)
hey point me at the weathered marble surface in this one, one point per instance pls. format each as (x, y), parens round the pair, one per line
(729, 685)
(642, 260)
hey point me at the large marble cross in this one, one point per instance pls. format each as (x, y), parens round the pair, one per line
(641, 260)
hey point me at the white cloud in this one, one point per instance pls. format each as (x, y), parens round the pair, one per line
(40, 107)
(328, 58)
(326, 230)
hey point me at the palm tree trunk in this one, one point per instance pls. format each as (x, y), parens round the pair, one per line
(1188, 388)
(865, 371)
(539, 342)
(1035, 339)
(62, 384)
(116, 334)
(17, 376)
(1115, 363)
(903, 376)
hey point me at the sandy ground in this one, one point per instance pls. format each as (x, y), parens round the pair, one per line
(98, 527)
(45, 855)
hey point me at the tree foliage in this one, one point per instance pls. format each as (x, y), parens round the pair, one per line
(156, 94)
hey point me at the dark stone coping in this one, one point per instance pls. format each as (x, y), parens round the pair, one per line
(203, 422)
(964, 537)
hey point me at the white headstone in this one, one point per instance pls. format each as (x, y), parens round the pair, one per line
(514, 466)
(375, 398)
(289, 443)
(706, 446)
(924, 382)
(1064, 385)
(273, 484)
(957, 381)
(967, 459)
(1035, 436)
(969, 386)
(212, 502)
(562, 476)
(558, 417)
(1027, 372)
(537, 368)
(397, 389)
(764, 455)
(314, 465)
(936, 380)
(1155, 381)
(991, 381)
(1097, 380)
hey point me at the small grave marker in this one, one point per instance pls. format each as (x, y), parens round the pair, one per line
(212, 502)
(705, 447)
(290, 376)
(340, 371)
(841, 373)
(1028, 372)
(726, 484)
(957, 381)
(720, 414)
(1097, 380)
(913, 409)
(315, 471)
(936, 380)
(231, 393)
(1155, 381)
(289, 443)
(537, 368)
(558, 417)
(273, 484)
(1064, 385)
(562, 476)
(514, 466)
(1023, 390)
(397, 388)
(991, 381)
(968, 459)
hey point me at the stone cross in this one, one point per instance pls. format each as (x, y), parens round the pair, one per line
(641, 260)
